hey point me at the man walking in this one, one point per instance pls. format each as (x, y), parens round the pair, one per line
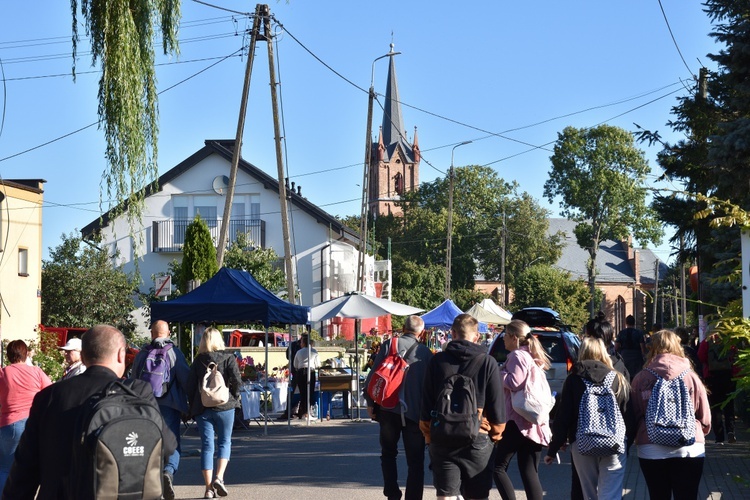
(73, 364)
(403, 420)
(43, 456)
(631, 344)
(464, 469)
(173, 377)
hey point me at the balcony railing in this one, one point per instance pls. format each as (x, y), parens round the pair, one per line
(169, 235)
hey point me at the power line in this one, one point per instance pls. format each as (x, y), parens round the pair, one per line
(674, 40)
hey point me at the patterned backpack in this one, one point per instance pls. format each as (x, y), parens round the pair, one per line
(670, 415)
(601, 428)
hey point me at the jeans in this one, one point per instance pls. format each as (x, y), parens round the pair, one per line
(220, 423)
(172, 418)
(466, 470)
(601, 477)
(529, 453)
(680, 477)
(9, 437)
(390, 431)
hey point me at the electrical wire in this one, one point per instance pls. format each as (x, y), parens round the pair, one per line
(674, 40)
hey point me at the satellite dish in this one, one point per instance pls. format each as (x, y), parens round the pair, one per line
(220, 184)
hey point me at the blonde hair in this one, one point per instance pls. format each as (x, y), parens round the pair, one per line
(664, 342)
(522, 331)
(212, 340)
(593, 348)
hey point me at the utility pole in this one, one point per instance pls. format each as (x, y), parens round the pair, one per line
(656, 292)
(683, 289)
(224, 231)
(291, 295)
(449, 245)
(502, 263)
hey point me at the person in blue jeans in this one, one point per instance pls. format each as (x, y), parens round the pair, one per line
(173, 403)
(19, 383)
(214, 422)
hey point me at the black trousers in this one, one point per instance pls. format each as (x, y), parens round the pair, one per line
(529, 453)
(721, 386)
(677, 478)
(303, 385)
(391, 430)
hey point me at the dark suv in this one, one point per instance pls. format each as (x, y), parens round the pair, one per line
(558, 341)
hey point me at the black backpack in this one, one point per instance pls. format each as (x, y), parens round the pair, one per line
(455, 419)
(118, 446)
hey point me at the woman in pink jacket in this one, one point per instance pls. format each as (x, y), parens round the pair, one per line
(670, 470)
(520, 437)
(19, 383)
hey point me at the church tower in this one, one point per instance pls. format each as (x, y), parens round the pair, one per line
(394, 164)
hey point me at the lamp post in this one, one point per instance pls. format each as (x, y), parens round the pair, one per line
(366, 178)
(451, 176)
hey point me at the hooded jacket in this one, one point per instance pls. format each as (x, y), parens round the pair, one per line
(565, 425)
(413, 385)
(669, 367)
(458, 354)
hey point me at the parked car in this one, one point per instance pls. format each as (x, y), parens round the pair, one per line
(240, 337)
(558, 341)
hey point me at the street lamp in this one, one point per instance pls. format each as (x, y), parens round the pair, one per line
(451, 176)
(366, 178)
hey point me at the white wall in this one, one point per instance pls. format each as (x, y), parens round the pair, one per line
(309, 235)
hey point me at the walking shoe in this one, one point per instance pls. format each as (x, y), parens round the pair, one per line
(167, 483)
(209, 493)
(732, 437)
(218, 485)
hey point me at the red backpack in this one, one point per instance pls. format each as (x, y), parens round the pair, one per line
(385, 383)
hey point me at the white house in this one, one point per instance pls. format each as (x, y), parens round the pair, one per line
(20, 258)
(324, 249)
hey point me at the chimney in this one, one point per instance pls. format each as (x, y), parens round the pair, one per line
(293, 188)
(299, 191)
(628, 244)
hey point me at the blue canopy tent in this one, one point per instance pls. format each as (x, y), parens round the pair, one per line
(231, 296)
(443, 315)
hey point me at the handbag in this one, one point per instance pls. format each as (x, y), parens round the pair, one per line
(213, 390)
(535, 400)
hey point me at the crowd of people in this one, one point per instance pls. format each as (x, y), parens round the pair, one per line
(457, 403)
(660, 392)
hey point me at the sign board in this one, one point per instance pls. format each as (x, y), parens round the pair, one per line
(163, 286)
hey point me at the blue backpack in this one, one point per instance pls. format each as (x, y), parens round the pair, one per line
(157, 369)
(670, 415)
(601, 428)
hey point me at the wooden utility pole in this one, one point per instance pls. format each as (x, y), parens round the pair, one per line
(656, 292)
(291, 295)
(224, 231)
(361, 261)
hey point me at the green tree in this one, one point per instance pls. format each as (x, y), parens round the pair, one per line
(600, 177)
(122, 40)
(81, 287)
(419, 285)
(198, 254)
(545, 286)
(263, 263)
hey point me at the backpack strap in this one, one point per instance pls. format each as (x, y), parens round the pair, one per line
(411, 349)
(394, 346)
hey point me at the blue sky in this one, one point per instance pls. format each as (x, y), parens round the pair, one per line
(520, 70)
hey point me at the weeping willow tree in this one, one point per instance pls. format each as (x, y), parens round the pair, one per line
(122, 41)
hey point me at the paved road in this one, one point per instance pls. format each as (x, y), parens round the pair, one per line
(340, 460)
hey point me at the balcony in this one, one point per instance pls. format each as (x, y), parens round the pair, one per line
(169, 235)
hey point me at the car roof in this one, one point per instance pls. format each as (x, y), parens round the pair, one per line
(538, 317)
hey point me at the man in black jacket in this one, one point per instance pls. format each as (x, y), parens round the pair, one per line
(403, 420)
(466, 470)
(43, 455)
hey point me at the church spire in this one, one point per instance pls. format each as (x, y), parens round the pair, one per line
(393, 122)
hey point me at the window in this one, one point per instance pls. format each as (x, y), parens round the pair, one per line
(207, 213)
(23, 261)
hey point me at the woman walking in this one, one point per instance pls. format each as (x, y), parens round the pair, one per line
(521, 437)
(600, 476)
(219, 420)
(19, 383)
(670, 471)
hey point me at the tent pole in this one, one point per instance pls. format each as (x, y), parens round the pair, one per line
(192, 343)
(357, 328)
(265, 390)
